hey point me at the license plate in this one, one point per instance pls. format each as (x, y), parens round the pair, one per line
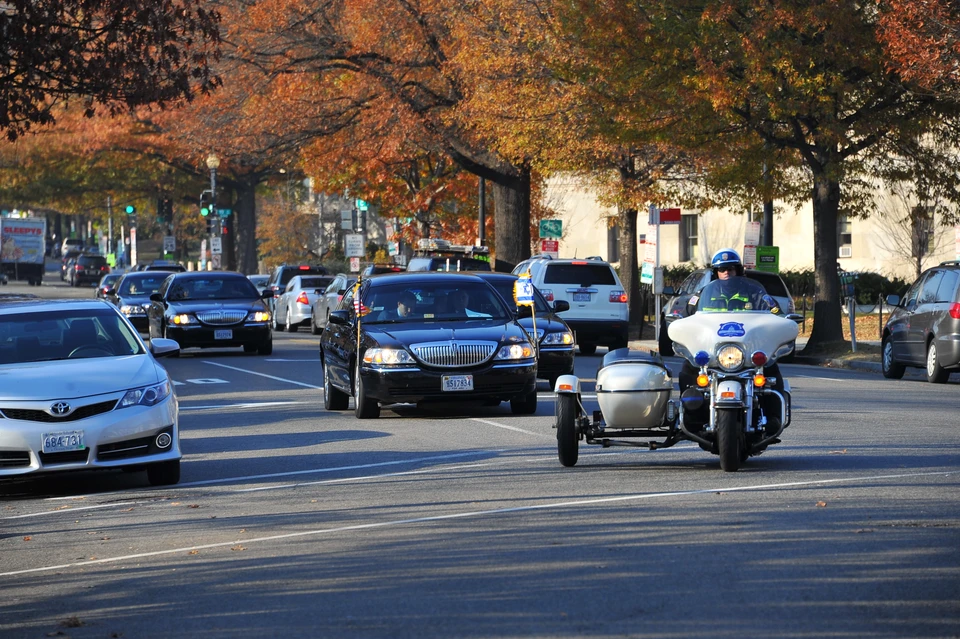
(224, 333)
(457, 382)
(63, 441)
(581, 297)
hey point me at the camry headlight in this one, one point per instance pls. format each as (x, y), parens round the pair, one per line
(182, 319)
(132, 309)
(564, 338)
(387, 356)
(515, 351)
(258, 316)
(730, 357)
(146, 396)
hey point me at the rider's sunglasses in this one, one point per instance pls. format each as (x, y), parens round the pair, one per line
(725, 269)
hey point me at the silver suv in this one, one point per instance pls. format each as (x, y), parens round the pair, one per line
(599, 313)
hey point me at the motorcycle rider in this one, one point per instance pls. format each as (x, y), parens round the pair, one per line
(731, 291)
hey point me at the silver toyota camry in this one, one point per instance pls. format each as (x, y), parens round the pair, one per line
(79, 390)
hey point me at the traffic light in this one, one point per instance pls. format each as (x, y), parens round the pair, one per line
(131, 209)
(205, 203)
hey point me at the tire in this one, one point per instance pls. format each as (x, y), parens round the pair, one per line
(314, 329)
(291, 328)
(588, 349)
(266, 348)
(277, 327)
(567, 438)
(889, 366)
(526, 405)
(365, 408)
(664, 343)
(728, 439)
(935, 373)
(164, 474)
(333, 398)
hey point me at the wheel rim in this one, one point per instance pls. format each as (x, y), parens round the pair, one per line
(288, 320)
(326, 383)
(887, 355)
(932, 359)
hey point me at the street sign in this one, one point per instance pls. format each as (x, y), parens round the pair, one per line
(751, 235)
(216, 260)
(354, 264)
(551, 229)
(362, 205)
(224, 212)
(216, 245)
(169, 244)
(768, 258)
(669, 216)
(393, 248)
(550, 247)
(354, 245)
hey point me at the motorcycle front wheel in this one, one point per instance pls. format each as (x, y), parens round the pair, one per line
(729, 442)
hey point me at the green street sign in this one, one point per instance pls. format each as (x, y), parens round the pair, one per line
(224, 212)
(768, 259)
(551, 229)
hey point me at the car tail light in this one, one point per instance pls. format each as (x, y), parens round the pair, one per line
(578, 263)
(547, 294)
(304, 267)
(955, 310)
(303, 299)
(77, 267)
(618, 297)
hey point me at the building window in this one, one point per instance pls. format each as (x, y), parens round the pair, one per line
(688, 237)
(844, 237)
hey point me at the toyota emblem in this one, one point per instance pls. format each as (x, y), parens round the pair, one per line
(60, 408)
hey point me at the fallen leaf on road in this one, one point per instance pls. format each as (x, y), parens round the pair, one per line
(27, 538)
(821, 504)
(193, 506)
(238, 547)
(194, 552)
(838, 452)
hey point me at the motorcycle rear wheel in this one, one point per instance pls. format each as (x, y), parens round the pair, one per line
(729, 442)
(567, 444)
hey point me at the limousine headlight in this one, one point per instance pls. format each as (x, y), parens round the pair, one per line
(388, 357)
(515, 351)
(564, 338)
(258, 316)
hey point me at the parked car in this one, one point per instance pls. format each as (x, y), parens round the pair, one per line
(675, 306)
(87, 269)
(66, 262)
(598, 311)
(106, 283)
(438, 352)
(71, 244)
(132, 294)
(281, 276)
(555, 354)
(211, 309)
(924, 328)
(83, 392)
(328, 301)
(294, 307)
(169, 266)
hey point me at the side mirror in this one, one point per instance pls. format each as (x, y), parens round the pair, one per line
(266, 294)
(156, 297)
(162, 347)
(109, 291)
(341, 318)
(668, 290)
(893, 300)
(560, 306)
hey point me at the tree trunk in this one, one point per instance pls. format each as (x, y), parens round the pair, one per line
(827, 327)
(629, 267)
(246, 227)
(511, 219)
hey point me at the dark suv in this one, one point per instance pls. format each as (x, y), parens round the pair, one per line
(87, 269)
(676, 306)
(282, 275)
(924, 328)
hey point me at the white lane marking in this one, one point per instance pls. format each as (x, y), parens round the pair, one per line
(280, 359)
(557, 505)
(65, 509)
(208, 380)
(508, 427)
(245, 405)
(279, 379)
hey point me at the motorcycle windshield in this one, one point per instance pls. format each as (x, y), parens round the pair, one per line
(752, 330)
(734, 295)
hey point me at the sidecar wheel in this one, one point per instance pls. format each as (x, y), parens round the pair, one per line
(567, 444)
(729, 442)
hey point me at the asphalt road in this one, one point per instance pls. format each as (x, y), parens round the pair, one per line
(292, 521)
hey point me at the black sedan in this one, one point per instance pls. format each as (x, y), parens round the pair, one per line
(426, 337)
(555, 355)
(211, 309)
(131, 294)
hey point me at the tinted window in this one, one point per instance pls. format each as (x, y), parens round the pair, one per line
(141, 285)
(212, 288)
(948, 287)
(314, 282)
(771, 282)
(928, 294)
(290, 272)
(92, 260)
(580, 274)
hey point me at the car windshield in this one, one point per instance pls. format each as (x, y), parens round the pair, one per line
(212, 288)
(315, 282)
(141, 285)
(737, 294)
(443, 300)
(65, 334)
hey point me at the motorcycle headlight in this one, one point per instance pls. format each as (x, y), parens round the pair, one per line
(388, 357)
(730, 357)
(132, 309)
(563, 338)
(515, 351)
(258, 316)
(146, 396)
(182, 319)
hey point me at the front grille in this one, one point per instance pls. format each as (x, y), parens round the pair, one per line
(454, 354)
(14, 458)
(43, 416)
(66, 457)
(221, 318)
(122, 450)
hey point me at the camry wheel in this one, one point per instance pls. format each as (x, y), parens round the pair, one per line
(333, 398)
(276, 326)
(888, 365)
(314, 329)
(291, 328)
(935, 373)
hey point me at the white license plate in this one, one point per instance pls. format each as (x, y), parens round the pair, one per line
(62, 441)
(581, 297)
(223, 333)
(457, 382)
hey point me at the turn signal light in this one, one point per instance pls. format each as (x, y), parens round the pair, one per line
(759, 381)
(703, 380)
(565, 387)
(303, 299)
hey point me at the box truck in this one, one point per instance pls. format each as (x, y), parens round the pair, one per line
(23, 242)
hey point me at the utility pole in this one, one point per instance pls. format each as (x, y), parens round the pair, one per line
(482, 231)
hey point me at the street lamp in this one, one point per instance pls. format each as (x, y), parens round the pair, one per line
(212, 163)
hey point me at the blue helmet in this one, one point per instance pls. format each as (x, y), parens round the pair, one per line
(727, 257)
